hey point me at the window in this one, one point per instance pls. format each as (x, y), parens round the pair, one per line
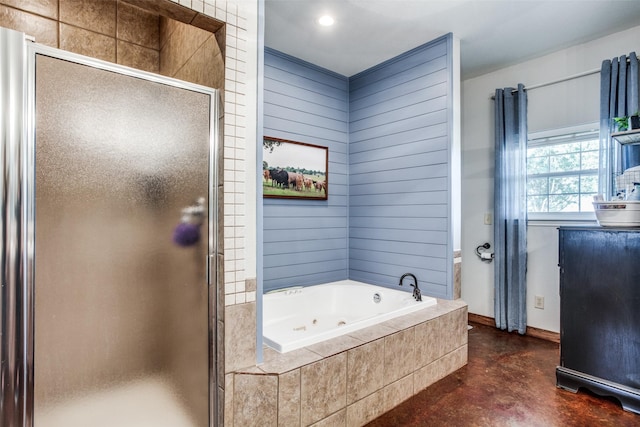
(562, 171)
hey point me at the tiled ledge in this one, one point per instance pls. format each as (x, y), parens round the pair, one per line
(350, 380)
(457, 274)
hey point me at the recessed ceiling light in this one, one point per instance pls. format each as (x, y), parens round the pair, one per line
(326, 21)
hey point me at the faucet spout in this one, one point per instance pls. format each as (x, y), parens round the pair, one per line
(416, 291)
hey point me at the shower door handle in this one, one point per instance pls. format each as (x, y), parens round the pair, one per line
(212, 271)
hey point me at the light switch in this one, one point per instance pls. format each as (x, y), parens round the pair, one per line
(488, 218)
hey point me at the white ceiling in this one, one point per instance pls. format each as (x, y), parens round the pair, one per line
(492, 33)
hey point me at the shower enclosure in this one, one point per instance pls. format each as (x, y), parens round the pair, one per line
(108, 316)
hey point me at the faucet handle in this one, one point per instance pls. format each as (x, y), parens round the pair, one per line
(417, 294)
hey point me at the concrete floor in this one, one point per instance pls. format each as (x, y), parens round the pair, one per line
(509, 381)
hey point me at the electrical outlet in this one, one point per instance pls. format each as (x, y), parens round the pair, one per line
(488, 218)
(539, 302)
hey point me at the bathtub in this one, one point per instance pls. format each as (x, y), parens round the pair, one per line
(300, 316)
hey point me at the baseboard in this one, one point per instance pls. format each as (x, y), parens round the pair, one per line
(531, 331)
(483, 320)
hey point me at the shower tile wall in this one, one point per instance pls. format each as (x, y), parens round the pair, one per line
(457, 274)
(89, 27)
(125, 34)
(190, 53)
(104, 29)
(48, 8)
(136, 45)
(41, 23)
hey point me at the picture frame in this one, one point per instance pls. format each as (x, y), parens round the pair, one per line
(294, 170)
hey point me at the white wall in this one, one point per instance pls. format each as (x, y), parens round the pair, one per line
(456, 147)
(570, 103)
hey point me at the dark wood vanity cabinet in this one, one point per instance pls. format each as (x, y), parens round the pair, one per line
(600, 312)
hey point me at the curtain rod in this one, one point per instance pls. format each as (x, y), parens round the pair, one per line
(575, 76)
(564, 79)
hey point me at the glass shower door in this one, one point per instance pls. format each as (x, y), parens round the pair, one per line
(121, 311)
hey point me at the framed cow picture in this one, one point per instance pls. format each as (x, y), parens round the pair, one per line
(294, 170)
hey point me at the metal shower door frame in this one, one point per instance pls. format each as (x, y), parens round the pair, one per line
(17, 212)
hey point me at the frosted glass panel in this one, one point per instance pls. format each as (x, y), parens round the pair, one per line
(121, 312)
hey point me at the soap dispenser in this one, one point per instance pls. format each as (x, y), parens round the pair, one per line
(634, 195)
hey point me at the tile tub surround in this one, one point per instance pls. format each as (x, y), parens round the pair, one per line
(457, 274)
(350, 380)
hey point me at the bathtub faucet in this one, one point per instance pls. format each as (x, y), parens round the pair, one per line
(416, 290)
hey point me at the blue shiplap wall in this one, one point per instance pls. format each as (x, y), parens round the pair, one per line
(399, 211)
(306, 242)
(389, 206)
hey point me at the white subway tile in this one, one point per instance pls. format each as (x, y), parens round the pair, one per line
(229, 130)
(221, 14)
(231, 52)
(228, 197)
(242, 47)
(229, 287)
(209, 9)
(240, 280)
(242, 22)
(240, 88)
(232, 7)
(234, 142)
(239, 244)
(231, 41)
(229, 155)
(197, 5)
(240, 66)
(229, 139)
(229, 277)
(240, 298)
(230, 299)
(240, 286)
(230, 85)
(241, 33)
(229, 242)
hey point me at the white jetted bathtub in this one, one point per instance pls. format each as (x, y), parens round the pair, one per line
(300, 316)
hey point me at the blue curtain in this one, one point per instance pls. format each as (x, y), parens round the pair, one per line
(510, 209)
(619, 94)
